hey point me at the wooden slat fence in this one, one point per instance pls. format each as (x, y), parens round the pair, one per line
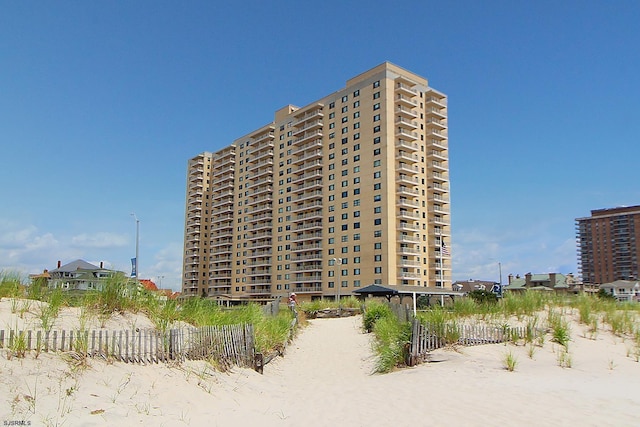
(428, 337)
(232, 345)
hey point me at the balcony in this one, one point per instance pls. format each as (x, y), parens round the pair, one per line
(317, 214)
(408, 203)
(401, 121)
(439, 209)
(308, 176)
(405, 101)
(308, 278)
(408, 251)
(306, 206)
(437, 154)
(307, 155)
(262, 155)
(308, 257)
(408, 169)
(309, 226)
(402, 155)
(262, 199)
(253, 166)
(264, 137)
(436, 186)
(309, 196)
(316, 144)
(436, 123)
(437, 176)
(307, 136)
(409, 276)
(406, 112)
(408, 227)
(409, 263)
(401, 132)
(437, 134)
(308, 126)
(402, 144)
(314, 164)
(408, 191)
(406, 179)
(439, 221)
(303, 248)
(437, 113)
(439, 166)
(317, 185)
(307, 236)
(308, 115)
(409, 215)
(308, 289)
(408, 239)
(406, 89)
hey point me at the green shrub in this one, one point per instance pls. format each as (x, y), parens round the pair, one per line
(392, 342)
(483, 297)
(374, 311)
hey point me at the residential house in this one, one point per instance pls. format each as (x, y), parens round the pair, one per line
(623, 290)
(79, 275)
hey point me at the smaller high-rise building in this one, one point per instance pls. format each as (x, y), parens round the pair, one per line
(609, 244)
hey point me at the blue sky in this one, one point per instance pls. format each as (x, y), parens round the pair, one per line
(103, 103)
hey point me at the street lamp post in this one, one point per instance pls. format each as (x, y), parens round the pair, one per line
(137, 270)
(338, 262)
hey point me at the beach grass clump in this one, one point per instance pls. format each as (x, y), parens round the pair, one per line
(392, 343)
(273, 332)
(564, 358)
(561, 331)
(374, 311)
(11, 285)
(510, 361)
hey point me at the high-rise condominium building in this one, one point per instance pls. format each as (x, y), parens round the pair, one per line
(609, 245)
(348, 191)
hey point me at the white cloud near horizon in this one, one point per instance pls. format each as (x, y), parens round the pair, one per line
(100, 240)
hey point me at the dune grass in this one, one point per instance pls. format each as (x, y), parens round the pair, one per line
(545, 316)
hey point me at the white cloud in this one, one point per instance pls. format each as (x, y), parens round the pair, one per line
(99, 240)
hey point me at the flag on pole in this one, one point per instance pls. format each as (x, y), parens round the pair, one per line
(134, 273)
(445, 250)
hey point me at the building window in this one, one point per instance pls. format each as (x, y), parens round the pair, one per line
(356, 136)
(377, 174)
(377, 245)
(376, 128)
(376, 95)
(376, 106)
(345, 119)
(376, 152)
(376, 83)
(345, 98)
(356, 93)
(377, 258)
(356, 248)
(377, 209)
(377, 198)
(345, 109)
(356, 125)
(377, 221)
(376, 118)
(356, 104)
(332, 105)
(356, 225)
(345, 129)
(356, 180)
(377, 186)
(356, 114)
(377, 270)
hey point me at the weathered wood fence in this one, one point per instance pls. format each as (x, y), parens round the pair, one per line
(230, 345)
(428, 337)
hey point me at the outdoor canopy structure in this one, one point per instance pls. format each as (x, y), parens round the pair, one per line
(400, 291)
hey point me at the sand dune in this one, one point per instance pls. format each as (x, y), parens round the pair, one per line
(325, 379)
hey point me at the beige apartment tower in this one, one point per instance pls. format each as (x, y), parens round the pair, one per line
(348, 191)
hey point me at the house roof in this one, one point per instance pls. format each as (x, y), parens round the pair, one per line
(76, 265)
(621, 284)
(148, 284)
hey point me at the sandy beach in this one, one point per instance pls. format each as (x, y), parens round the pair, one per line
(325, 378)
